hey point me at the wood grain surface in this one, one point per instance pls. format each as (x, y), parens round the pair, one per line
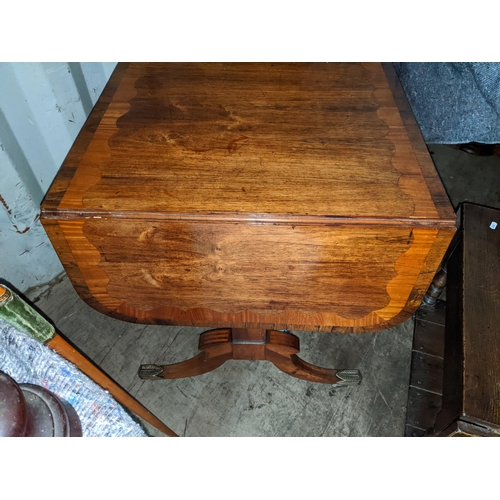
(251, 195)
(481, 313)
(279, 276)
(434, 185)
(303, 139)
(471, 373)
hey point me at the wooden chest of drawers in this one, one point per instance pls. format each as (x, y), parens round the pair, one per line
(471, 371)
(280, 196)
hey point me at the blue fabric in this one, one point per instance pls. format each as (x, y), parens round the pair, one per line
(454, 103)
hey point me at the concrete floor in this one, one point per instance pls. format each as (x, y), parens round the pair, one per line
(254, 398)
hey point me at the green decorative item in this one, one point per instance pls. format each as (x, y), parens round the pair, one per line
(22, 316)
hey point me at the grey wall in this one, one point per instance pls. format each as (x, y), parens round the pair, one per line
(43, 106)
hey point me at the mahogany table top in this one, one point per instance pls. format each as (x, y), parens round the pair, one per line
(292, 195)
(244, 140)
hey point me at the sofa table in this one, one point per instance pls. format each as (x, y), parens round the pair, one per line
(253, 199)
